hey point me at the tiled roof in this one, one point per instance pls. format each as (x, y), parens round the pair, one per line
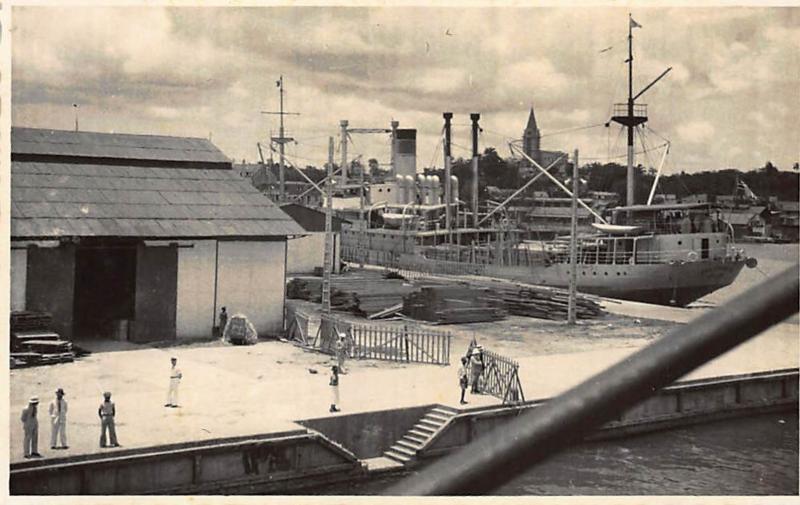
(51, 200)
(36, 141)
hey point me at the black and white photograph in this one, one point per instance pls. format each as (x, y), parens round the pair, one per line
(401, 249)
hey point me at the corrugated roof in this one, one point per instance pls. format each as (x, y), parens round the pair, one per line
(53, 199)
(122, 146)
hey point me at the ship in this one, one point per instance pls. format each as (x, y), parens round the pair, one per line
(668, 254)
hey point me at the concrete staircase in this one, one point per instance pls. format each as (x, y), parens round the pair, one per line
(404, 451)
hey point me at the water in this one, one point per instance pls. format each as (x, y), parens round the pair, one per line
(747, 456)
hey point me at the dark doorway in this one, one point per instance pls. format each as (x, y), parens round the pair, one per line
(105, 289)
(704, 248)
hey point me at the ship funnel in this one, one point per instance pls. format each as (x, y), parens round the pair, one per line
(405, 154)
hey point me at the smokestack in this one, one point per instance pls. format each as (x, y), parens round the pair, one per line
(406, 153)
(475, 129)
(447, 216)
(394, 124)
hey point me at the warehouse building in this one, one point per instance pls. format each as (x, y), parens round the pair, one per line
(144, 235)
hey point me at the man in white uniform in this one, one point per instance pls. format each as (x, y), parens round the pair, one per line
(58, 421)
(175, 376)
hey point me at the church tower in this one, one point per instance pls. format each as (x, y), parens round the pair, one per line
(531, 138)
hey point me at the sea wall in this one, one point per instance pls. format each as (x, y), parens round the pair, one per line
(275, 463)
(682, 404)
(368, 434)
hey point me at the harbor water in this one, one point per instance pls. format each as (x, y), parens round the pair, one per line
(755, 455)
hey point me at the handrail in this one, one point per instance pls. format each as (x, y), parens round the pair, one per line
(498, 457)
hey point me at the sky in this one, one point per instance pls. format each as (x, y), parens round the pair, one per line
(731, 99)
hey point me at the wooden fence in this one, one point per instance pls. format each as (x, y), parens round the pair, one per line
(500, 378)
(390, 343)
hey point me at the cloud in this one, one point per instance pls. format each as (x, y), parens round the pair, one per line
(697, 132)
(191, 71)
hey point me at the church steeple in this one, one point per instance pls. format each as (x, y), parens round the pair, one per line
(532, 122)
(531, 138)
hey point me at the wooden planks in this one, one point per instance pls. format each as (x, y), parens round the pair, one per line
(453, 304)
(32, 342)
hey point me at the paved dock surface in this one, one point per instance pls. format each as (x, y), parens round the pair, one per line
(232, 390)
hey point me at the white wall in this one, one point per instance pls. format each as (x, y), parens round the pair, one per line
(251, 280)
(308, 252)
(19, 277)
(195, 311)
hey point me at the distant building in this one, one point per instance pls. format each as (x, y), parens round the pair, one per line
(531, 145)
(143, 237)
(749, 222)
(264, 180)
(788, 224)
(307, 253)
(696, 198)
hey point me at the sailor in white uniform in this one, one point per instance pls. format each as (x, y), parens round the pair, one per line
(175, 377)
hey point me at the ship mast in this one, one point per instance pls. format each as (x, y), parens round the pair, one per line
(630, 114)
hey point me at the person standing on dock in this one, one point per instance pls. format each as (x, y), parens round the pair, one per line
(463, 378)
(334, 384)
(30, 425)
(107, 411)
(476, 368)
(341, 352)
(175, 377)
(58, 421)
(223, 322)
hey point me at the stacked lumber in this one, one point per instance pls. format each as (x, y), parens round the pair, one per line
(24, 320)
(32, 342)
(362, 292)
(547, 303)
(443, 304)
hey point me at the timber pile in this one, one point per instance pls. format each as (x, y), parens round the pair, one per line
(546, 303)
(363, 292)
(32, 342)
(453, 305)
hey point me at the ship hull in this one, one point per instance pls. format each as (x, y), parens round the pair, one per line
(676, 284)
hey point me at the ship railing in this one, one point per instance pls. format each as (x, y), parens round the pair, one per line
(590, 256)
(496, 458)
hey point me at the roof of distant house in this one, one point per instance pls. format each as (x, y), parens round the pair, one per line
(311, 219)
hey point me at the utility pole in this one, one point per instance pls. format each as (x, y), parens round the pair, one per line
(475, 129)
(327, 268)
(343, 124)
(281, 140)
(448, 116)
(573, 243)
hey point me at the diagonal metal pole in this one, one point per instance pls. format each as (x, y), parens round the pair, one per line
(555, 181)
(520, 190)
(496, 458)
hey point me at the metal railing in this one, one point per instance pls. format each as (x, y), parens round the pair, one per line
(500, 378)
(621, 109)
(498, 457)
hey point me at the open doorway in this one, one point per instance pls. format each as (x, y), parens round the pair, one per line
(105, 290)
